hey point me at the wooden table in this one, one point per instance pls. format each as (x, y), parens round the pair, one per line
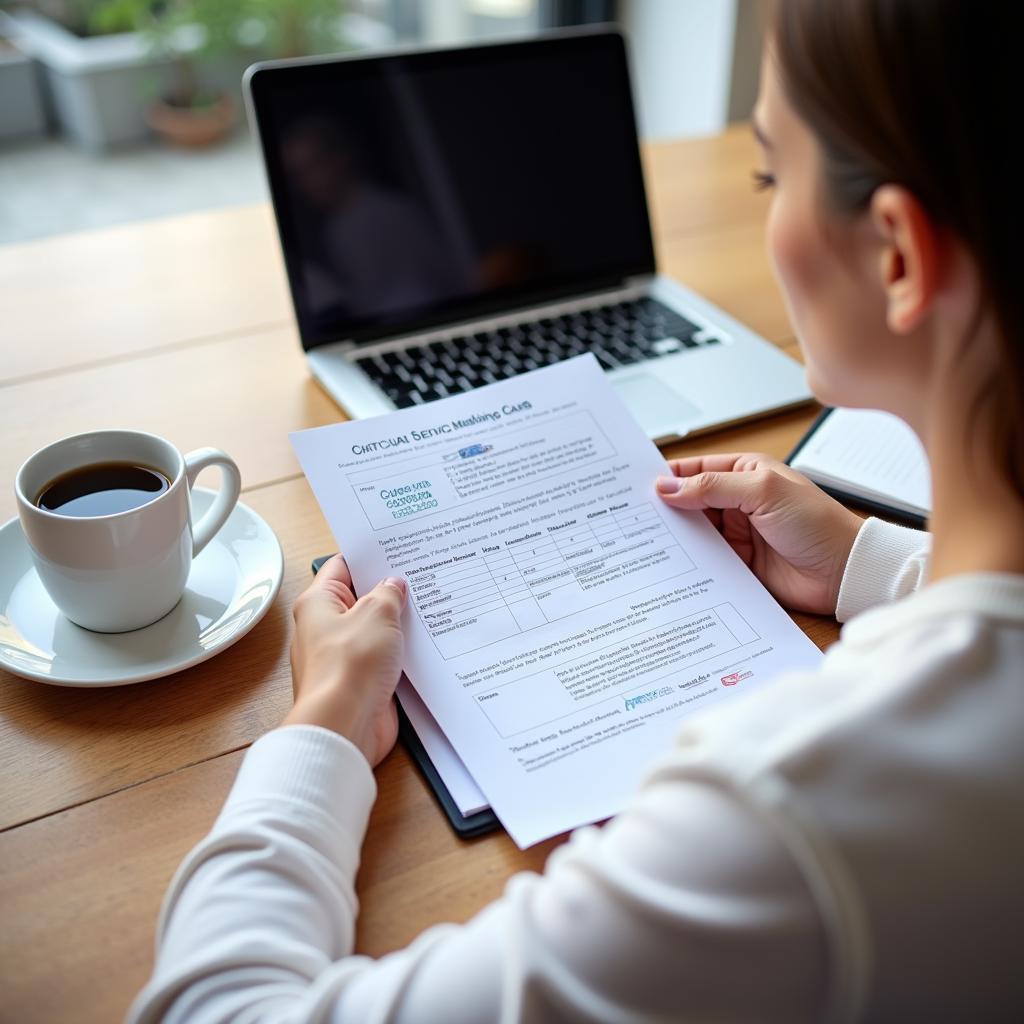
(183, 327)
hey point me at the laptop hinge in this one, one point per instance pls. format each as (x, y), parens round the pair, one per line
(638, 281)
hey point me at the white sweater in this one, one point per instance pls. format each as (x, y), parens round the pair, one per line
(846, 844)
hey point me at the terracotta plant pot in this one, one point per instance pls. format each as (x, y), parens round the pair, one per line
(192, 126)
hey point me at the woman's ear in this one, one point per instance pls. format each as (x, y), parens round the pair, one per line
(910, 256)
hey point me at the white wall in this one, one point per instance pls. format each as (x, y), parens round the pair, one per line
(681, 61)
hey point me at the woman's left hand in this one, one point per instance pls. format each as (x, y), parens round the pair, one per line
(347, 658)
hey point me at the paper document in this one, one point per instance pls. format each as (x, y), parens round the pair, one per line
(561, 618)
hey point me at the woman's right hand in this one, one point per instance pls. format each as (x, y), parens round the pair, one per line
(794, 537)
(347, 657)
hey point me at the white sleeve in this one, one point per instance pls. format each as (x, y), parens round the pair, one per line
(686, 906)
(887, 562)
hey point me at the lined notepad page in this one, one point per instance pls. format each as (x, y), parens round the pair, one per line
(870, 455)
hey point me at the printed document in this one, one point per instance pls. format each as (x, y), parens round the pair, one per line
(562, 619)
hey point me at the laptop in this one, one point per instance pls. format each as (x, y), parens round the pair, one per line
(453, 217)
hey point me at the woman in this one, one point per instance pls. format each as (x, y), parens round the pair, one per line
(844, 844)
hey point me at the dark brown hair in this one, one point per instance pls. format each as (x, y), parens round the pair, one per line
(925, 94)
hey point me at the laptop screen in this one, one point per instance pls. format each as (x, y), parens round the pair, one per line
(423, 188)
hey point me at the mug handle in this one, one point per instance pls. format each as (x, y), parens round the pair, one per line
(227, 496)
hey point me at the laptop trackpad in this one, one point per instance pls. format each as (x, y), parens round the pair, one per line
(658, 407)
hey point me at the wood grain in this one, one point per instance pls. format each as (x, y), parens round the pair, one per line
(242, 393)
(729, 266)
(81, 889)
(73, 300)
(703, 183)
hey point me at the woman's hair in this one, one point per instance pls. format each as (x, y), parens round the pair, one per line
(920, 93)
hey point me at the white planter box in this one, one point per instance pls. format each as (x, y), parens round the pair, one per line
(22, 113)
(99, 85)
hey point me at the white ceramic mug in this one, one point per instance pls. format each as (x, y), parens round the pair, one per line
(113, 573)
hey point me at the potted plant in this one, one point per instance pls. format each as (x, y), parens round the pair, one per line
(297, 28)
(198, 39)
(118, 69)
(207, 43)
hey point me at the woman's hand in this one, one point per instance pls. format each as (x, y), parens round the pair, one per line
(347, 658)
(794, 537)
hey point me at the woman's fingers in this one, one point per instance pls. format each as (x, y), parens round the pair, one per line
(335, 568)
(335, 580)
(748, 492)
(388, 596)
(723, 463)
(733, 462)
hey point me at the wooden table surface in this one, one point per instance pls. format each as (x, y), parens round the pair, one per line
(183, 327)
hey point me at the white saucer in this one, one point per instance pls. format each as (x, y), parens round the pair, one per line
(233, 582)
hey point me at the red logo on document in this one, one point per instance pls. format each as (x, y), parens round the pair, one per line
(734, 677)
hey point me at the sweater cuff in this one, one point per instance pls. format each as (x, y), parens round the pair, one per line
(311, 766)
(887, 562)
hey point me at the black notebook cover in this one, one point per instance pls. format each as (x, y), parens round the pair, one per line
(465, 826)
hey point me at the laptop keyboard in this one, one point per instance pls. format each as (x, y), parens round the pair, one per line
(618, 334)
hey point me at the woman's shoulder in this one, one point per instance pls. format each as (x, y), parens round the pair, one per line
(893, 775)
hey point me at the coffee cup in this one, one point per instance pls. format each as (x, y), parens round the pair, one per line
(108, 520)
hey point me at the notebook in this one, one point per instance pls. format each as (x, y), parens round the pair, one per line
(867, 458)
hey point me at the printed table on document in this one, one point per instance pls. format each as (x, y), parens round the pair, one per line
(543, 574)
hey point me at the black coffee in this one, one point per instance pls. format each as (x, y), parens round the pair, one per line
(102, 489)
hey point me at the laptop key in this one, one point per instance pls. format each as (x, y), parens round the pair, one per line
(627, 357)
(378, 362)
(667, 346)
